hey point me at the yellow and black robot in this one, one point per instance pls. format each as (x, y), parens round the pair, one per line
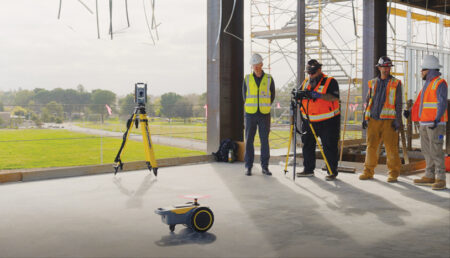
(192, 214)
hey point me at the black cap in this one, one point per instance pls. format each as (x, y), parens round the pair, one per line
(312, 66)
(384, 61)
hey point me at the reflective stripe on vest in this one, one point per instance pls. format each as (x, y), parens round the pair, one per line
(430, 103)
(320, 110)
(388, 110)
(258, 97)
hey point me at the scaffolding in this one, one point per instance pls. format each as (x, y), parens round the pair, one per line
(333, 31)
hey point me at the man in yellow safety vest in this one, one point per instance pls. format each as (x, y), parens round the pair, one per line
(258, 91)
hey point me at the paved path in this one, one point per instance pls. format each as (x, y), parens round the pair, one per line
(156, 139)
(257, 216)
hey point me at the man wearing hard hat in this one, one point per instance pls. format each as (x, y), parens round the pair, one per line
(430, 110)
(382, 119)
(258, 91)
(321, 110)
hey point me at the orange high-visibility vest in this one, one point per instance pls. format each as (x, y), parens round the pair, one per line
(320, 109)
(388, 110)
(430, 103)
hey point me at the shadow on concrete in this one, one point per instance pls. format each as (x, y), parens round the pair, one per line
(135, 197)
(287, 219)
(419, 194)
(354, 201)
(186, 236)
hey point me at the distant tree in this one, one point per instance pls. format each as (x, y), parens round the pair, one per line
(126, 105)
(168, 107)
(183, 108)
(42, 96)
(52, 112)
(80, 88)
(71, 101)
(22, 97)
(100, 98)
(2, 108)
(19, 111)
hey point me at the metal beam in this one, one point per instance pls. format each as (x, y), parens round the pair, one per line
(301, 33)
(374, 38)
(225, 54)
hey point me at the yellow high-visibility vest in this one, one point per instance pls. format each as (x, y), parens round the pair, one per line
(258, 97)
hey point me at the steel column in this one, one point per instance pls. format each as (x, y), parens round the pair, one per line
(224, 72)
(374, 38)
(300, 41)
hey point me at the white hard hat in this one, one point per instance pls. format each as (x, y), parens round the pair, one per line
(430, 62)
(256, 59)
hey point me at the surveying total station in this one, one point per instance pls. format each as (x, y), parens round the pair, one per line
(139, 116)
(297, 97)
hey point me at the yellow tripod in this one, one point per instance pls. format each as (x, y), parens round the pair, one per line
(139, 116)
(293, 130)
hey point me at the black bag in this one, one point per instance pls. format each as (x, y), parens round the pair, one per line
(224, 148)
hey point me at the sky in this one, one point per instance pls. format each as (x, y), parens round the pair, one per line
(39, 51)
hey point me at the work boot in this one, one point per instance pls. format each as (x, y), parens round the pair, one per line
(330, 177)
(392, 179)
(365, 176)
(424, 181)
(266, 172)
(439, 185)
(305, 174)
(248, 171)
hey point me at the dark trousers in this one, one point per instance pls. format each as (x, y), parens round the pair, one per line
(252, 122)
(328, 132)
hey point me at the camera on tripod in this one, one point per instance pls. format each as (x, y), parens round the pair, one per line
(140, 93)
(301, 94)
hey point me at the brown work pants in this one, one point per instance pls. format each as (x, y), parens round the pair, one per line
(377, 131)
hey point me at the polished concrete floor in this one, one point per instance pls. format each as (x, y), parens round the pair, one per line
(257, 216)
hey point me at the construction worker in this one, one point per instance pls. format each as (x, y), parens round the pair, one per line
(258, 91)
(382, 119)
(430, 110)
(321, 109)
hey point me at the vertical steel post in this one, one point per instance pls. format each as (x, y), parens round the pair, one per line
(225, 73)
(374, 38)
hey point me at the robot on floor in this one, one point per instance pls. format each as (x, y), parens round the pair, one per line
(192, 215)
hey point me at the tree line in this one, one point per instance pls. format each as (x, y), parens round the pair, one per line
(58, 105)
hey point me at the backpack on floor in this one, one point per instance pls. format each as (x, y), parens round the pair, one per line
(224, 148)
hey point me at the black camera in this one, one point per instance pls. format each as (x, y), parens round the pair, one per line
(140, 93)
(300, 94)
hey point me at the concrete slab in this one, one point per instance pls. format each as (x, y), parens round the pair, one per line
(257, 216)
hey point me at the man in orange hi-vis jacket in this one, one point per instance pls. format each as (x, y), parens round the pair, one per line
(430, 110)
(383, 118)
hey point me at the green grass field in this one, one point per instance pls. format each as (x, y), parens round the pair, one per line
(37, 148)
(278, 138)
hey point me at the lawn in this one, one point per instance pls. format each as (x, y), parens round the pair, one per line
(278, 138)
(37, 148)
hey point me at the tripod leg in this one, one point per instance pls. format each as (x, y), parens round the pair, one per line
(289, 148)
(117, 160)
(148, 146)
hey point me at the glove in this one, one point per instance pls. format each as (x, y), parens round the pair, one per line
(435, 124)
(315, 95)
(406, 113)
(395, 125)
(364, 124)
